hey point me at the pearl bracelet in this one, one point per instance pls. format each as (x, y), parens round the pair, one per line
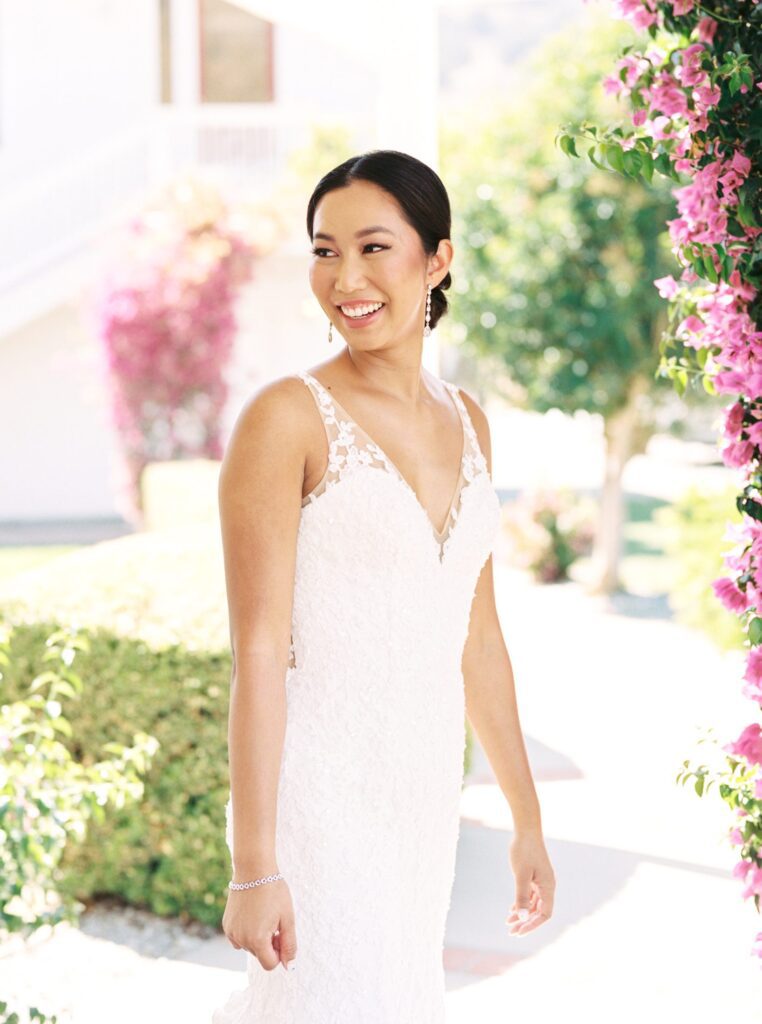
(259, 881)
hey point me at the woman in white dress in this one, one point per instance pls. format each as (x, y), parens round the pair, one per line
(358, 518)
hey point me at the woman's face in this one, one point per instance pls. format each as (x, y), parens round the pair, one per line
(353, 266)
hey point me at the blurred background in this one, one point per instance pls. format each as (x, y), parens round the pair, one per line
(156, 158)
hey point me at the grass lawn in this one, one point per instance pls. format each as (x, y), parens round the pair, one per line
(13, 560)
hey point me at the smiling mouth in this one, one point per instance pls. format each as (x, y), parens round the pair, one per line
(360, 313)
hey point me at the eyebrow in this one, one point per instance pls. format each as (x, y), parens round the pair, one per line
(358, 234)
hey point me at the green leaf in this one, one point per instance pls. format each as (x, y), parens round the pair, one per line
(746, 216)
(663, 164)
(615, 156)
(647, 168)
(710, 271)
(750, 507)
(755, 630)
(632, 161)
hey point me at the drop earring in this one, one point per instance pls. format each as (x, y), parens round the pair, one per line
(330, 330)
(427, 328)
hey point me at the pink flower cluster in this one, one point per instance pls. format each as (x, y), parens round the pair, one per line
(165, 318)
(704, 203)
(674, 102)
(643, 13)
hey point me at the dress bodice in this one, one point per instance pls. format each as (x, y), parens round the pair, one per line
(379, 526)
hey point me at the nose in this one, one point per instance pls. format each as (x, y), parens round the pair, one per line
(349, 276)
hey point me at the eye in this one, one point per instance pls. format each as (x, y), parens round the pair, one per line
(319, 250)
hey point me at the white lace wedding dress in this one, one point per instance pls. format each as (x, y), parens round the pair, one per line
(372, 768)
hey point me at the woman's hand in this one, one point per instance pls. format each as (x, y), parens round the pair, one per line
(261, 921)
(535, 883)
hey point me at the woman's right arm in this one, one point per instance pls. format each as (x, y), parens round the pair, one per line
(260, 490)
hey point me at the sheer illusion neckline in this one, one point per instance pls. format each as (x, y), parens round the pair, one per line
(442, 534)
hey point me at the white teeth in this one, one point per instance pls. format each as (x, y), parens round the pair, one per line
(355, 311)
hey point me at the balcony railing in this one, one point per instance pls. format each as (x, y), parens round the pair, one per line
(52, 217)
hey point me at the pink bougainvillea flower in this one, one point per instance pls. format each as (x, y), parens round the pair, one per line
(690, 71)
(707, 27)
(730, 595)
(612, 85)
(734, 415)
(691, 323)
(758, 787)
(736, 837)
(737, 453)
(753, 885)
(748, 745)
(753, 675)
(668, 286)
(741, 869)
(641, 13)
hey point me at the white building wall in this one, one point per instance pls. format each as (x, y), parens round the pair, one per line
(324, 79)
(56, 446)
(72, 73)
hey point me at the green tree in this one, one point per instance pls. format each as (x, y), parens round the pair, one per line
(555, 260)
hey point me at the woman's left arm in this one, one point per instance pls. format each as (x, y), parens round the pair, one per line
(492, 710)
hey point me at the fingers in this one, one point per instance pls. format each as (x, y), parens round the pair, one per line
(528, 924)
(264, 950)
(287, 943)
(529, 911)
(278, 947)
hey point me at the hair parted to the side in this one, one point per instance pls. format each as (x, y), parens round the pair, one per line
(418, 190)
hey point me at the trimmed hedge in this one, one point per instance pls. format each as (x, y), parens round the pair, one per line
(166, 853)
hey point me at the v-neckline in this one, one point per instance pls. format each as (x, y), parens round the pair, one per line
(440, 535)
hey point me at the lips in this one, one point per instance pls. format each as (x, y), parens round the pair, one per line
(354, 321)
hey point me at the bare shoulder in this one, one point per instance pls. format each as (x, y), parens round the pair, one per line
(273, 425)
(480, 422)
(278, 410)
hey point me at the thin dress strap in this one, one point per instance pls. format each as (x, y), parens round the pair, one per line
(474, 461)
(348, 444)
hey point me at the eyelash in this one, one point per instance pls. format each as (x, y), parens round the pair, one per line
(374, 245)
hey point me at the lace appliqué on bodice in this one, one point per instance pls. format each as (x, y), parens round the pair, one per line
(350, 447)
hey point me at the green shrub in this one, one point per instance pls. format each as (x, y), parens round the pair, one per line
(30, 1016)
(168, 853)
(547, 530)
(153, 607)
(47, 796)
(695, 540)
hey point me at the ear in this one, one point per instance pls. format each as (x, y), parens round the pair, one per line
(439, 262)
